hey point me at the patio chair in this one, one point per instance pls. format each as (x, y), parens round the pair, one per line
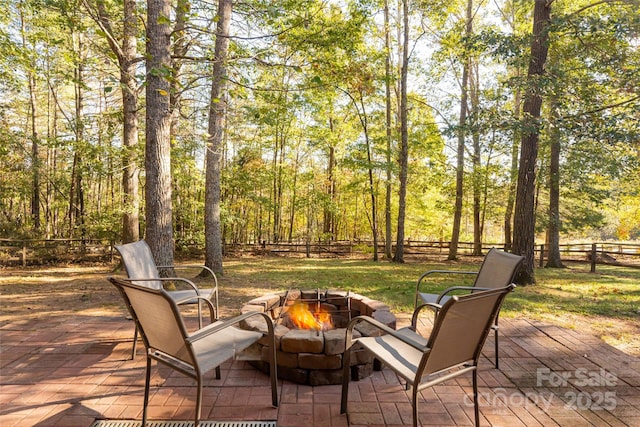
(194, 354)
(452, 349)
(497, 270)
(142, 270)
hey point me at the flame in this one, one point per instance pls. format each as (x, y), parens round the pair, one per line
(303, 318)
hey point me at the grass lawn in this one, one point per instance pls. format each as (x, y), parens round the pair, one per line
(606, 302)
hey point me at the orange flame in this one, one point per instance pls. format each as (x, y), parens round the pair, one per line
(303, 318)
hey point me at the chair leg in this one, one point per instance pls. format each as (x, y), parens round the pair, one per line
(346, 370)
(273, 373)
(198, 402)
(476, 408)
(135, 340)
(496, 346)
(414, 405)
(147, 382)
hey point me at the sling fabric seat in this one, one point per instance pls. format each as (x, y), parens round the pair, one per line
(497, 270)
(453, 348)
(194, 354)
(142, 270)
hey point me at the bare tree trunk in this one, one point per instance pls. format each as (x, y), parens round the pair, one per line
(35, 156)
(76, 197)
(372, 192)
(553, 230)
(524, 220)
(130, 170)
(127, 58)
(457, 215)
(476, 161)
(328, 225)
(388, 245)
(513, 179)
(213, 230)
(404, 137)
(159, 220)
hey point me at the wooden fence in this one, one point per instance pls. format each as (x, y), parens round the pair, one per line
(37, 252)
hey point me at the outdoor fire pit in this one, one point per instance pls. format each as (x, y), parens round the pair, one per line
(310, 333)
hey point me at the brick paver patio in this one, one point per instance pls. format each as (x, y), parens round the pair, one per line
(71, 371)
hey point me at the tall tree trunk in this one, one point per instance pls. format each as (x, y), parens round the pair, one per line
(388, 244)
(294, 196)
(76, 205)
(524, 219)
(404, 137)
(35, 156)
(159, 221)
(476, 161)
(127, 58)
(130, 170)
(213, 231)
(513, 176)
(553, 229)
(328, 223)
(462, 121)
(372, 192)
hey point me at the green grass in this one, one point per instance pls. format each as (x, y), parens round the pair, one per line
(611, 292)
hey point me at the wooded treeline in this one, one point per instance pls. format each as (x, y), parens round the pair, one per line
(242, 122)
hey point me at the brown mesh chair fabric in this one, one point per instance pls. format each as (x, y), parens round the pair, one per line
(142, 270)
(453, 348)
(497, 270)
(168, 341)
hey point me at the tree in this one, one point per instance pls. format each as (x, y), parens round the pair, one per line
(213, 233)
(461, 134)
(524, 220)
(123, 45)
(159, 224)
(403, 156)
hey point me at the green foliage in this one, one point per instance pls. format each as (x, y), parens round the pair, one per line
(305, 76)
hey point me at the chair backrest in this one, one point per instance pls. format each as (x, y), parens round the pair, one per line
(498, 269)
(461, 328)
(157, 317)
(139, 263)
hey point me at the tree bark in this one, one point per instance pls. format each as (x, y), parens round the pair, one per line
(127, 58)
(372, 192)
(404, 137)
(213, 229)
(457, 215)
(130, 171)
(476, 161)
(524, 218)
(388, 249)
(553, 230)
(159, 221)
(513, 179)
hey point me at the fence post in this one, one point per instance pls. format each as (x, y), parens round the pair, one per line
(542, 255)
(593, 257)
(24, 253)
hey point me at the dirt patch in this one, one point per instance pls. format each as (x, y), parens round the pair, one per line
(34, 292)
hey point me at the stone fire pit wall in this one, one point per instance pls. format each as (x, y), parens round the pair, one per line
(310, 356)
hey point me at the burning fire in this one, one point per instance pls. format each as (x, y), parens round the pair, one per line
(303, 318)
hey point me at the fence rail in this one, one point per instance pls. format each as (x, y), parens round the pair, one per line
(37, 252)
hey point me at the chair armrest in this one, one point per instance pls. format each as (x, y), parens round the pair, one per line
(414, 317)
(165, 279)
(382, 327)
(458, 288)
(203, 267)
(430, 272)
(222, 324)
(213, 311)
